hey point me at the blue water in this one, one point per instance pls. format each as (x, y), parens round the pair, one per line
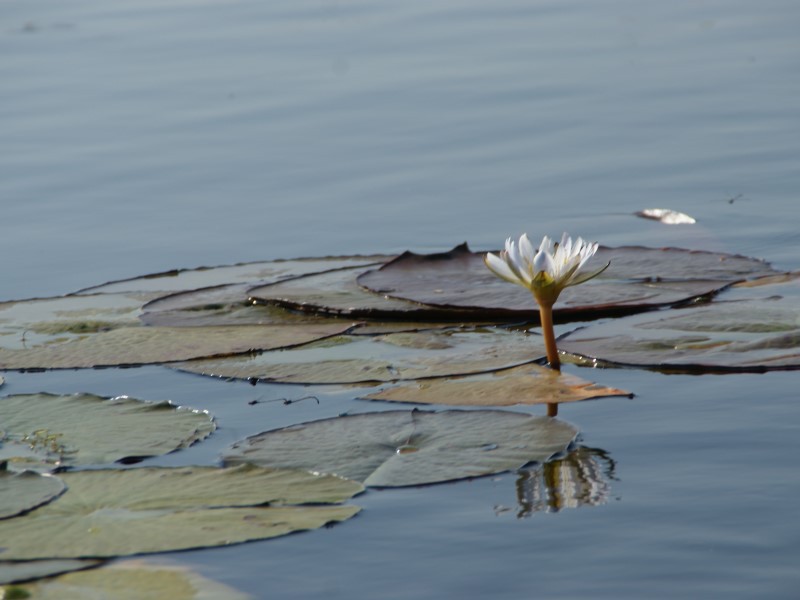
(144, 136)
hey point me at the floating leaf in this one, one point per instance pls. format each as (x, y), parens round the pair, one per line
(107, 513)
(755, 334)
(638, 279)
(528, 384)
(400, 448)
(26, 324)
(666, 216)
(85, 429)
(225, 305)
(133, 580)
(351, 359)
(337, 293)
(152, 345)
(21, 492)
(13, 572)
(265, 271)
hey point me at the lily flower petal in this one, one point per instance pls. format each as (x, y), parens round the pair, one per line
(546, 271)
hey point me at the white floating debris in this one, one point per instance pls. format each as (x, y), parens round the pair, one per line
(665, 215)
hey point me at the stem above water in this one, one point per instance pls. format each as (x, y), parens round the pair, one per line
(546, 317)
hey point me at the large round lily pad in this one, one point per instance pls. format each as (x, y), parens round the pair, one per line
(21, 492)
(353, 359)
(107, 513)
(638, 279)
(251, 273)
(527, 384)
(128, 346)
(57, 431)
(133, 580)
(401, 448)
(755, 334)
(337, 293)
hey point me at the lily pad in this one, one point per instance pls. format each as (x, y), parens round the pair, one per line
(107, 513)
(527, 384)
(391, 357)
(154, 345)
(13, 572)
(337, 293)
(57, 431)
(755, 334)
(265, 271)
(133, 580)
(638, 279)
(224, 305)
(22, 492)
(402, 448)
(26, 324)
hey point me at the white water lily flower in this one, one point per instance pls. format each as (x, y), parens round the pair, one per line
(545, 272)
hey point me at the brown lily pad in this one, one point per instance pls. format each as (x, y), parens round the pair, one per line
(337, 293)
(391, 357)
(638, 279)
(758, 329)
(527, 384)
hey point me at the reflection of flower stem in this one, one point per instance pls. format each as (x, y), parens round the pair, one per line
(546, 317)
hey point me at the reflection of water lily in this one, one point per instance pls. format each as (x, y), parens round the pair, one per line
(545, 272)
(582, 478)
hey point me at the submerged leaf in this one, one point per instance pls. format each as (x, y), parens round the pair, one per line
(55, 431)
(528, 384)
(401, 448)
(350, 359)
(107, 513)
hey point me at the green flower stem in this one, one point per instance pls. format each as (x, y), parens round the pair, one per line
(546, 318)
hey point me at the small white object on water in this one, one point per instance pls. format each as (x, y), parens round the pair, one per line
(665, 215)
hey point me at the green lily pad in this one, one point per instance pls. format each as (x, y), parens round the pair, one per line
(264, 271)
(13, 572)
(133, 580)
(107, 513)
(224, 305)
(638, 279)
(22, 492)
(391, 357)
(757, 329)
(402, 448)
(57, 431)
(527, 384)
(337, 293)
(26, 324)
(154, 345)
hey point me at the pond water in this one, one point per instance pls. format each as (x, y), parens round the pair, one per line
(145, 136)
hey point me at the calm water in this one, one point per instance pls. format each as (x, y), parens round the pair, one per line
(143, 136)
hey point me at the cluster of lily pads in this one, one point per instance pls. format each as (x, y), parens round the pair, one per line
(425, 329)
